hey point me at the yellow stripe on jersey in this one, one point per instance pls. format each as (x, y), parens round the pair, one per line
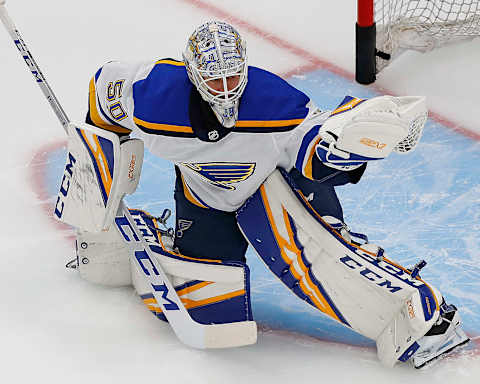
(95, 116)
(163, 127)
(189, 196)
(308, 170)
(171, 62)
(267, 123)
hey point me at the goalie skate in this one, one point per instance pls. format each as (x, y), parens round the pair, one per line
(445, 336)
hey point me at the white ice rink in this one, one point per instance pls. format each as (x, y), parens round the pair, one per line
(56, 328)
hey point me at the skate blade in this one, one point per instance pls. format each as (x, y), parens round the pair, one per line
(441, 355)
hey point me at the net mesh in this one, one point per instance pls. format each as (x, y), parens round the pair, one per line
(423, 24)
(414, 134)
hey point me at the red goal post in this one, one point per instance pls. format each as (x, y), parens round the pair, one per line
(365, 42)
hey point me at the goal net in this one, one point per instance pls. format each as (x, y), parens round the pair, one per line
(423, 25)
(418, 24)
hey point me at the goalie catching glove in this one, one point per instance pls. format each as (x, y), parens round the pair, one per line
(363, 130)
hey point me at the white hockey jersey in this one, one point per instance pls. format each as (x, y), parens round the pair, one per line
(220, 168)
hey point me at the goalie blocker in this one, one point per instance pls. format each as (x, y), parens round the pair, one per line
(99, 171)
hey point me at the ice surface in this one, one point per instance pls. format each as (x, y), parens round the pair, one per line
(57, 328)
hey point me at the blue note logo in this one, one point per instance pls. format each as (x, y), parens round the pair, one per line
(182, 226)
(223, 174)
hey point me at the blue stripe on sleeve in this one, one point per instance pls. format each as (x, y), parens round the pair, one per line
(307, 139)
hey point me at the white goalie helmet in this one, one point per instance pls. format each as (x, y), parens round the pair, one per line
(216, 62)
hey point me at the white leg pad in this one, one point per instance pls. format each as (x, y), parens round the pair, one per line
(213, 291)
(375, 297)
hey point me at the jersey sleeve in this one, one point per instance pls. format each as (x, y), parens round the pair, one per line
(110, 100)
(300, 149)
(299, 145)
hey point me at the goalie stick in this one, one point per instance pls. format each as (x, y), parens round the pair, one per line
(187, 330)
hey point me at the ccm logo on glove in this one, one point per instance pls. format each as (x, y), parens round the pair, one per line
(372, 143)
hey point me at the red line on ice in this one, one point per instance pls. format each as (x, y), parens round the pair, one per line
(313, 61)
(38, 175)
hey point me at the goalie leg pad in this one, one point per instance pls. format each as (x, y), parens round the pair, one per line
(213, 291)
(374, 296)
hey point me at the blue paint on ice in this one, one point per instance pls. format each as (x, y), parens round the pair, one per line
(425, 205)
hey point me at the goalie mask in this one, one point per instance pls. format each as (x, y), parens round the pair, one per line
(216, 63)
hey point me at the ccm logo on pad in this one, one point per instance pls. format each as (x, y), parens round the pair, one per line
(410, 309)
(372, 143)
(131, 167)
(65, 185)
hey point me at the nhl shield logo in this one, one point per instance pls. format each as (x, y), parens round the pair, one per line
(213, 135)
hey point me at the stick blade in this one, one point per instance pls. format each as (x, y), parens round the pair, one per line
(230, 335)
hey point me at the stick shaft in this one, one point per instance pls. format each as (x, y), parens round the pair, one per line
(32, 66)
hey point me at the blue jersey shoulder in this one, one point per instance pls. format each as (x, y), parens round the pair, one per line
(270, 102)
(162, 99)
